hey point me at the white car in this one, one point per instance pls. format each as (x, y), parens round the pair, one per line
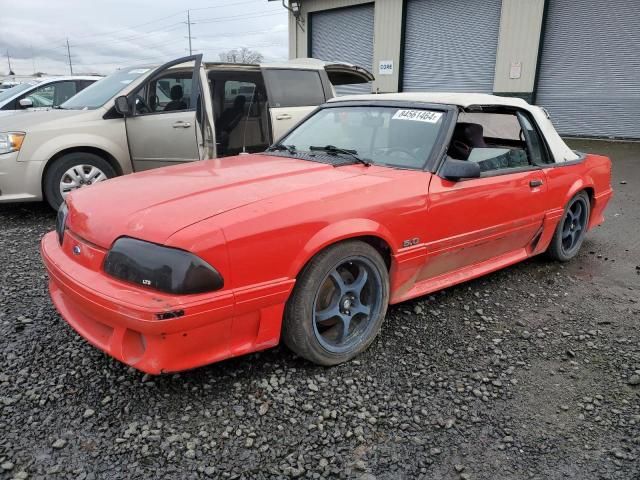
(146, 117)
(44, 92)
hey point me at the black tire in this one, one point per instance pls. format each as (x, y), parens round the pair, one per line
(571, 230)
(325, 342)
(55, 173)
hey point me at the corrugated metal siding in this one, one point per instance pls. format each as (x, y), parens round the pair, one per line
(589, 77)
(344, 35)
(451, 45)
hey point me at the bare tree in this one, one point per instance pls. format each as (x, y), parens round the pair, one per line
(241, 55)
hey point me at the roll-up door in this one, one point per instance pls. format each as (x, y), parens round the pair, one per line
(450, 45)
(344, 35)
(589, 73)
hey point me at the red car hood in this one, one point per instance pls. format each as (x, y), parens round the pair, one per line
(153, 205)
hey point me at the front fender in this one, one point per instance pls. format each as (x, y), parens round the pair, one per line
(339, 231)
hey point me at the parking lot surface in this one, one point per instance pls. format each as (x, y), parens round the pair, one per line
(532, 372)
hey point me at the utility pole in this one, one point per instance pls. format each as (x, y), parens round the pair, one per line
(33, 59)
(9, 62)
(189, 29)
(69, 55)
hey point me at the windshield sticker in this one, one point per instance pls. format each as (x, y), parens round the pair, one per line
(126, 82)
(139, 70)
(417, 115)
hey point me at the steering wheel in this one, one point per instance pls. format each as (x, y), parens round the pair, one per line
(141, 107)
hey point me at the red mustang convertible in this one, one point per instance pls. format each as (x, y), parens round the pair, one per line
(371, 200)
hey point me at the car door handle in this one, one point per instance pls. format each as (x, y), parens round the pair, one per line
(283, 116)
(181, 124)
(535, 183)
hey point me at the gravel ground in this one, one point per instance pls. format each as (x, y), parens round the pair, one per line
(532, 372)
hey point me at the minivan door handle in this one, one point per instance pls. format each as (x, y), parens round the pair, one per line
(283, 116)
(181, 124)
(536, 182)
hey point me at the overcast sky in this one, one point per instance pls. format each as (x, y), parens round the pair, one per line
(105, 35)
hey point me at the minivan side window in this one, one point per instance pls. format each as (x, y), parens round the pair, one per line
(294, 88)
(169, 93)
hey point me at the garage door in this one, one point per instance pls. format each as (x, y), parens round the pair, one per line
(344, 35)
(589, 77)
(450, 45)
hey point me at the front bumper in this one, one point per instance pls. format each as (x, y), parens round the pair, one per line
(122, 320)
(19, 181)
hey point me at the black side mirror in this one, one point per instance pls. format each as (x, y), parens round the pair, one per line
(122, 106)
(457, 169)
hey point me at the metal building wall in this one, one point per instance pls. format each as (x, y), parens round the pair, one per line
(450, 45)
(344, 35)
(589, 77)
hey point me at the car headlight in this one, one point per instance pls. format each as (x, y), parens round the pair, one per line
(11, 141)
(162, 268)
(61, 221)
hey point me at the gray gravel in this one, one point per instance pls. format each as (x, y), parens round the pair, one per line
(530, 373)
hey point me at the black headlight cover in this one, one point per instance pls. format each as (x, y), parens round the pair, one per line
(167, 269)
(61, 221)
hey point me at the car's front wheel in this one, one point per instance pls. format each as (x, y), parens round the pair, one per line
(571, 229)
(338, 304)
(73, 171)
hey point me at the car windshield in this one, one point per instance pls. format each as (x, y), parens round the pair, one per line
(389, 136)
(99, 93)
(10, 92)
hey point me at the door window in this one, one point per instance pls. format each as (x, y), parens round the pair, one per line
(52, 94)
(294, 88)
(493, 140)
(171, 92)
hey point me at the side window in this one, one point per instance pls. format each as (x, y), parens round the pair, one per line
(294, 88)
(241, 122)
(51, 95)
(534, 142)
(170, 92)
(493, 140)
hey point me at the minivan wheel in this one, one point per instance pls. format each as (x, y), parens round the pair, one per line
(73, 171)
(338, 304)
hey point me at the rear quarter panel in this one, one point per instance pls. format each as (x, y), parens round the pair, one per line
(592, 173)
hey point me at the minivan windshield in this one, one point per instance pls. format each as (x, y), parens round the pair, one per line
(10, 92)
(96, 95)
(383, 135)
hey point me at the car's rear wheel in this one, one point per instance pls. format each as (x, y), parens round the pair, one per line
(73, 171)
(571, 229)
(338, 304)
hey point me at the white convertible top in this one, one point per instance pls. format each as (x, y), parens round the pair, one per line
(560, 150)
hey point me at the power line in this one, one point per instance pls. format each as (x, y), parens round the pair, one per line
(238, 17)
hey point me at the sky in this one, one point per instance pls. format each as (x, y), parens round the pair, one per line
(108, 34)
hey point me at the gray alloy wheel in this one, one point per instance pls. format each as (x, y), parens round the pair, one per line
(571, 229)
(338, 303)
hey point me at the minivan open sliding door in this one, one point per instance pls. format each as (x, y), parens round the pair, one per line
(166, 125)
